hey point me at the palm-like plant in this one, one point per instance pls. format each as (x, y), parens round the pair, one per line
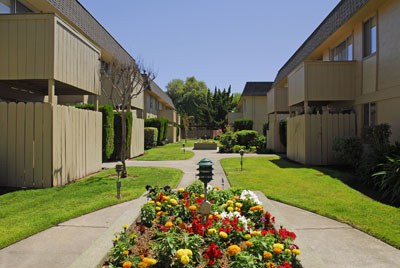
(388, 179)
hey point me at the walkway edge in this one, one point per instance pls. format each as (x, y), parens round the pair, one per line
(95, 254)
(307, 258)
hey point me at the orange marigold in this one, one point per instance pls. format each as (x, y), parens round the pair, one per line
(127, 264)
(233, 250)
(192, 208)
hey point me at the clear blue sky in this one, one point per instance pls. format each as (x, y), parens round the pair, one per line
(221, 42)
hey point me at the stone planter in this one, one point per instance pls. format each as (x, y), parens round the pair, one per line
(205, 146)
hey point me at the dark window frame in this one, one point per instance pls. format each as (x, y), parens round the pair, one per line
(370, 36)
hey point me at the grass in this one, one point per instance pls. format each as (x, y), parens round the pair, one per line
(320, 190)
(170, 151)
(27, 212)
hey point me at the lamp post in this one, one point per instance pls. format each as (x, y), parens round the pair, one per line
(241, 159)
(184, 147)
(119, 168)
(205, 175)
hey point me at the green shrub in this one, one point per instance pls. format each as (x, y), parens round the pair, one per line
(108, 131)
(237, 148)
(387, 180)
(246, 138)
(228, 140)
(107, 127)
(349, 150)
(261, 147)
(161, 124)
(243, 124)
(118, 135)
(265, 129)
(283, 132)
(150, 137)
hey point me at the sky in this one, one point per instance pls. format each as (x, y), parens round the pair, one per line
(220, 42)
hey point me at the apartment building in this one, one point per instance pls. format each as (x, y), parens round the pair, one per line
(252, 105)
(159, 104)
(343, 78)
(51, 52)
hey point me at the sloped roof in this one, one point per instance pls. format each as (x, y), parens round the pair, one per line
(256, 88)
(161, 94)
(338, 17)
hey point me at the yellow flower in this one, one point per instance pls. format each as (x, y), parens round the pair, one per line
(230, 209)
(236, 197)
(158, 208)
(247, 236)
(211, 231)
(267, 255)
(146, 260)
(125, 252)
(151, 202)
(239, 205)
(127, 264)
(296, 251)
(269, 265)
(202, 195)
(125, 226)
(152, 261)
(229, 202)
(140, 265)
(169, 224)
(256, 233)
(185, 259)
(192, 208)
(188, 252)
(158, 204)
(288, 251)
(173, 201)
(223, 235)
(233, 250)
(181, 190)
(278, 245)
(179, 253)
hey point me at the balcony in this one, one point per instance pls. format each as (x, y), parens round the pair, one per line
(36, 48)
(322, 81)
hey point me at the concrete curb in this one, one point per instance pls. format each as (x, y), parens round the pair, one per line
(96, 253)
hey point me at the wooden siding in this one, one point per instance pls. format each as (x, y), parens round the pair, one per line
(137, 140)
(273, 138)
(277, 100)
(42, 46)
(43, 145)
(369, 75)
(310, 137)
(322, 81)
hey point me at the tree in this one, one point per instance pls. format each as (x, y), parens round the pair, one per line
(127, 82)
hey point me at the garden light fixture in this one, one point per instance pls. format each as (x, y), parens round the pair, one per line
(119, 168)
(241, 152)
(205, 175)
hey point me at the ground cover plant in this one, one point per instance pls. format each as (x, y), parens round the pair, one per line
(170, 151)
(27, 212)
(171, 232)
(321, 190)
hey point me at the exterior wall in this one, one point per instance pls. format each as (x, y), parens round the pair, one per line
(277, 100)
(42, 145)
(137, 140)
(322, 81)
(233, 116)
(255, 108)
(41, 46)
(273, 138)
(171, 116)
(310, 137)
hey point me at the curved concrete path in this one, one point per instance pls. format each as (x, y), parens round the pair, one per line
(84, 241)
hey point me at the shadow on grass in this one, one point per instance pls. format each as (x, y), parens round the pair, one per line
(344, 174)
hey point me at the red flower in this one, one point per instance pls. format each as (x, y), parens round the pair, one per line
(212, 253)
(285, 265)
(283, 233)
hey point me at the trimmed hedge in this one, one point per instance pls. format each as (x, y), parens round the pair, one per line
(107, 127)
(243, 124)
(150, 137)
(118, 135)
(161, 124)
(246, 138)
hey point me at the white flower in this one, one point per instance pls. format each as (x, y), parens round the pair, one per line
(249, 195)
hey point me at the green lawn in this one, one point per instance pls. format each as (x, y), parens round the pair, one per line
(170, 151)
(27, 212)
(320, 190)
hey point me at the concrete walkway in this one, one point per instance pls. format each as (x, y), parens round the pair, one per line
(84, 241)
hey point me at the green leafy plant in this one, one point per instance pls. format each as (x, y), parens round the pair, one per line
(228, 140)
(348, 149)
(150, 137)
(161, 124)
(243, 124)
(388, 179)
(246, 138)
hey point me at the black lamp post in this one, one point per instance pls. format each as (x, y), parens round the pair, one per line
(184, 147)
(119, 168)
(205, 175)
(241, 152)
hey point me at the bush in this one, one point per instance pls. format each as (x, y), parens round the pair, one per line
(237, 148)
(387, 181)
(243, 124)
(246, 138)
(349, 150)
(261, 147)
(107, 128)
(283, 132)
(118, 135)
(228, 140)
(265, 129)
(150, 137)
(161, 124)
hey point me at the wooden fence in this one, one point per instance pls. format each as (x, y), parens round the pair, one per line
(310, 137)
(43, 145)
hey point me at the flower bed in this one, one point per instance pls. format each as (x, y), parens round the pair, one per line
(171, 232)
(205, 146)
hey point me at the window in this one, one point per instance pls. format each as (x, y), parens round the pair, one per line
(370, 36)
(344, 51)
(369, 114)
(12, 6)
